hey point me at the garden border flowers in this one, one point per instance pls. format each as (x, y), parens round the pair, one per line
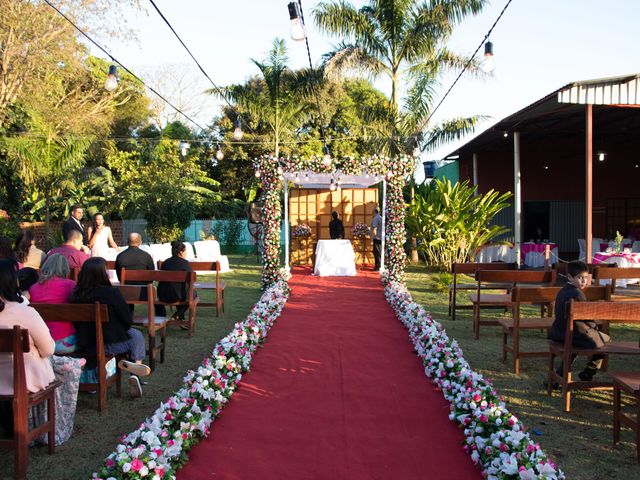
(496, 440)
(160, 445)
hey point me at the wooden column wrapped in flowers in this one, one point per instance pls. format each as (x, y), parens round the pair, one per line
(377, 168)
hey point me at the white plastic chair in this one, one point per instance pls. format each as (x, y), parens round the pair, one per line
(582, 243)
(190, 254)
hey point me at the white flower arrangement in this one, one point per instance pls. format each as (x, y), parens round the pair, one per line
(160, 445)
(496, 440)
(301, 230)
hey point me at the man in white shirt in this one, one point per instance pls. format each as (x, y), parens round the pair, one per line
(376, 234)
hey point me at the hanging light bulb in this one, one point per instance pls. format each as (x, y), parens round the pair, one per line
(376, 178)
(257, 174)
(237, 132)
(111, 83)
(296, 30)
(306, 177)
(332, 187)
(488, 64)
(326, 159)
(367, 175)
(601, 156)
(219, 154)
(297, 179)
(184, 148)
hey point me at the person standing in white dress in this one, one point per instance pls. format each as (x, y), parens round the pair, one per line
(101, 238)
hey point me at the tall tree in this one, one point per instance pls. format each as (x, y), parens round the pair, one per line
(404, 40)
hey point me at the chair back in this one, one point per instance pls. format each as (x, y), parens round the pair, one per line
(155, 276)
(609, 311)
(190, 251)
(207, 249)
(515, 276)
(473, 267)
(111, 264)
(139, 294)
(16, 341)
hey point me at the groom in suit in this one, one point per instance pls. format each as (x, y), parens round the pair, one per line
(74, 222)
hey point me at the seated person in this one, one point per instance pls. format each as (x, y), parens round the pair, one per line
(54, 286)
(175, 291)
(14, 310)
(585, 333)
(26, 251)
(336, 229)
(119, 335)
(72, 249)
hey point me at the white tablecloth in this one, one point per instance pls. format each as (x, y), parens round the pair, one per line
(533, 254)
(335, 258)
(496, 253)
(623, 260)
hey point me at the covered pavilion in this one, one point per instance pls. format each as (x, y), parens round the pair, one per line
(572, 160)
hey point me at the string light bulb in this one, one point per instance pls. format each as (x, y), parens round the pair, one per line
(219, 154)
(296, 29)
(111, 83)
(184, 148)
(488, 65)
(297, 179)
(306, 177)
(257, 174)
(326, 159)
(237, 132)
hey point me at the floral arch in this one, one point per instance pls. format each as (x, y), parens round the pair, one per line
(393, 172)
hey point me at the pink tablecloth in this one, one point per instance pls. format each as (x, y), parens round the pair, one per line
(535, 247)
(604, 246)
(602, 257)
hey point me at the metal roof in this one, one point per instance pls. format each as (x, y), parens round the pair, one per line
(561, 114)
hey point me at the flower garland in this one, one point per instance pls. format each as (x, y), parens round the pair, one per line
(160, 445)
(497, 441)
(271, 174)
(360, 230)
(396, 170)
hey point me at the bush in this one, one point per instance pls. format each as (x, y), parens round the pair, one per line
(8, 226)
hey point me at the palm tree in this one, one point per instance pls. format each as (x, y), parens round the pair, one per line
(403, 40)
(277, 101)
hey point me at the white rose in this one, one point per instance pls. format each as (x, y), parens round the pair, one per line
(126, 467)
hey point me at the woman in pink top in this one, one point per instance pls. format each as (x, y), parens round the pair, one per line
(54, 287)
(15, 311)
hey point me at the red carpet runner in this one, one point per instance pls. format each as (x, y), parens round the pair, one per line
(336, 393)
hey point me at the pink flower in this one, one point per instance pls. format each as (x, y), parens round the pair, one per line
(157, 451)
(484, 418)
(110, 462)
(136, 465)
(477, 397)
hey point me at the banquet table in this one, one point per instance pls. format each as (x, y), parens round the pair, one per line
(496, 253)
(623, 260)
(532, 254)
(335, 258)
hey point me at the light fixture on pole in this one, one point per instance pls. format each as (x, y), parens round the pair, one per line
(488, 64)
(237, 129)
(111, 83)
(296, 30)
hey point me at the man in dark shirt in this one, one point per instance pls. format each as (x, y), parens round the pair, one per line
(74, 222)
(336, 229)
(134, 258)
(585, 333)
(175, 291)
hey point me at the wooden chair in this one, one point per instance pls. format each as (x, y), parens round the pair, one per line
(628, 382)
(469, 269)
(146, 295)
(612, 275)
(15, 341)
(87, 313)
(74, 273)
(511, 327)
(488, 279)
(627, 312)
(207, 267)
(148, 276)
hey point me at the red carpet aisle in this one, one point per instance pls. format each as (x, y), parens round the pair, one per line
(336, 393)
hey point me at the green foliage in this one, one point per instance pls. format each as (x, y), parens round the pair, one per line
(228, 232)
(162, 185)
(450, 222)
(9, 228)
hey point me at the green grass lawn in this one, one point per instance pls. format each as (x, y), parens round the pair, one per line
(581, 441)
(96, 434)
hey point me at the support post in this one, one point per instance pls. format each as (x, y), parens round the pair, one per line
(286, 223)
(384, 221)
(589, 185)
(517, 227)
(475, 172)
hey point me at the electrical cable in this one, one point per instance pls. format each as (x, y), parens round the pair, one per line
(103, 50)
(466, 66)
(217, 89)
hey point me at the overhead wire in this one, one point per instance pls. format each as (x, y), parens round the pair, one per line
(103, 50)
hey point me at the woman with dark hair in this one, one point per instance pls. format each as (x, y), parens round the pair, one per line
(14, 310)
(54, 286)
(119, 335)
(26, 251)
(100, 238)
(175, 291)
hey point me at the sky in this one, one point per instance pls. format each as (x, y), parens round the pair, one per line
(539, 46)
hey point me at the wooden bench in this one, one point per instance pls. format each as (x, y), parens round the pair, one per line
(148, 276)
(15, 341)
(561, 269)
(487, 279)
(146, 295)
(613, 274)
(535, 296)
(627, 312)
(217, 286)
(628, 382)
(469, 269)
(87, 313)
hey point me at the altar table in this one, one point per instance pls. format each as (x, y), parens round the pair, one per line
(335, 258)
